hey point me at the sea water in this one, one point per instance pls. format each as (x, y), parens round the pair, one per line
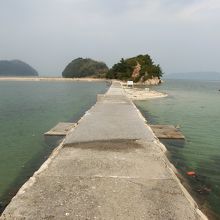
(27, 111)
(194, 106)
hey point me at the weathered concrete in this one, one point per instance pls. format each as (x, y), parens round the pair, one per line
(61, 129)
(167, 132)
(111, 166)
(113, 117)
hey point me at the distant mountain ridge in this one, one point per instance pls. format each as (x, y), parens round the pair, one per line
(16, 68)
(209, 75)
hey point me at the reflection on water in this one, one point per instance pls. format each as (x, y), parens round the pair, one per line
(195, 107)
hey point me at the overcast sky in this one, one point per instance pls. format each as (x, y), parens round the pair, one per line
(180, 35)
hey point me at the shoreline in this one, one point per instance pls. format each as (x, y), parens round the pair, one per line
(137, 94)
(51, 79)
(133, 94)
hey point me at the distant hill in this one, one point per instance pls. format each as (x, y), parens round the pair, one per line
(194, 76)
(16, 68)
(81, 67)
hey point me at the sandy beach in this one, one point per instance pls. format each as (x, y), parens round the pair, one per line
(142, 94)
(49, 79)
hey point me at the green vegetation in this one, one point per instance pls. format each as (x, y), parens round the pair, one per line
(139, 68)
(16, 68)
(85, 68)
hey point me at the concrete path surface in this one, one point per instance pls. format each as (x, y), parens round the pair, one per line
(110, 166)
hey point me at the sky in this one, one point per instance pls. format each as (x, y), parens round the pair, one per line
(180, 35)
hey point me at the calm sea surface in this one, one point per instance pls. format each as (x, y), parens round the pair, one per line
(27, 110)
(195, 107)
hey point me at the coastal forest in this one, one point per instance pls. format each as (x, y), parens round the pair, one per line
(139, 68)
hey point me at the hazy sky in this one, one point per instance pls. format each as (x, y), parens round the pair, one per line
(181, 35)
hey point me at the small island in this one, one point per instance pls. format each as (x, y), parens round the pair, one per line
(16, 68)
(140, 69)
(87, 67)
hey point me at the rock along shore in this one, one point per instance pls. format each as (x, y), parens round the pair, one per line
(110, 166)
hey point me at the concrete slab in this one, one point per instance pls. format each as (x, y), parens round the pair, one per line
(125, 159)
(101, 198)
(110, 121)
(61, 129)
(113, 117)
(104, 180)
(167, 132)
(112, 99)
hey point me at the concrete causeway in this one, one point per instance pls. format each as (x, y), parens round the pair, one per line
(110, 166)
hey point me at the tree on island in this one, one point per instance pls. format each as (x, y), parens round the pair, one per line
(81, 67)
(138, 69)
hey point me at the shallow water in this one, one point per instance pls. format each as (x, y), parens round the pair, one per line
(195, 107)
(27, 111)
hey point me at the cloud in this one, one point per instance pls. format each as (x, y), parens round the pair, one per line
(172, 10)
(49, 33)
(202, 10)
